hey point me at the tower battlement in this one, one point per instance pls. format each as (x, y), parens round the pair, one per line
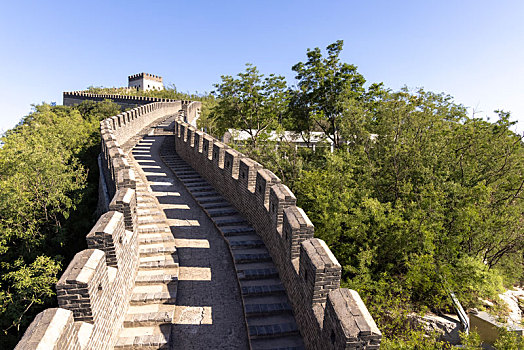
(145, 81)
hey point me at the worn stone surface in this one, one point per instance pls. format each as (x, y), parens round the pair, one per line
(192, 296)
(208, 311)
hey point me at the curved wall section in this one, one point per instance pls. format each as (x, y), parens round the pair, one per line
(94, 291)
(329, 317)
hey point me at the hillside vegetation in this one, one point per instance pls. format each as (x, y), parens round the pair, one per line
(417, 199)
(48, 194)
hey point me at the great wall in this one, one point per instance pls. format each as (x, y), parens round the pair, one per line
(196, 246)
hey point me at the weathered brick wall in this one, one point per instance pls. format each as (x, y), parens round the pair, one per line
(329, 317)
(119, 130)
(94, 291)
(125, 101)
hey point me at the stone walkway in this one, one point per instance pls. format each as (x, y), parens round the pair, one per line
(186, 294)
(206, 280)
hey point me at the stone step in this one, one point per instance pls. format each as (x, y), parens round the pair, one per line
(215, 205)
(262, 290)
(225, 211)
(199, 195)
(150, 228)
(181, 170)
(237, 230)
(194, 181)
(267, 308)
(272, 330)
(156, 279)
(251, 258)
(262, 273)
(206, 188)
(153, 298)
(150, 220)
(148, 212)
(145, 239)
(149, 318)
(147, 341)
(213, 199)
(148, 251)
(144, 199)
(158, 262)
(193, 175)
(182, 173)
(252, 243)
(288, 342)
(230, 220)
(146, 206)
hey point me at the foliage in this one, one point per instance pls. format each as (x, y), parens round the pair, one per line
(48, 184)
(250, 103)
(508, 340)
(470, 341)
(418, 198)
(328, 92)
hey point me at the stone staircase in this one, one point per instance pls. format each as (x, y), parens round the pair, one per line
(147, 324)
(268, 313)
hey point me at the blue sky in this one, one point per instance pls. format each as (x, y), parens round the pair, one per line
(472, 50)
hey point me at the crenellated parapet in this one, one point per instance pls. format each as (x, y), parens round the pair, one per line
(189, 109)
(329, 317)
(95, 290)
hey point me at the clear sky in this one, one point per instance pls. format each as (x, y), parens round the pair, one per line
(470, 49)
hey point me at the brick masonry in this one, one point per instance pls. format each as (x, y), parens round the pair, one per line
(329, 317)
(95, 290)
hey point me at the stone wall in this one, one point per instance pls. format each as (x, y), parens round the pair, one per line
(329, 317)
(94, 291)
(191, 108)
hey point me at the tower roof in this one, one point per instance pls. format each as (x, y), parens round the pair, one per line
(145, 76)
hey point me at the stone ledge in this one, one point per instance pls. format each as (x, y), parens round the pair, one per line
(148, 319)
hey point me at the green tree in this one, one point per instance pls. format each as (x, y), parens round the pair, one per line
(251, 103)
(327, 92)
(48, 185)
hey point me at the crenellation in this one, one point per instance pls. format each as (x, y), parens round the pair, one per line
(106, 234)
(347, 323)
(198, 140)
(95, 289)
(264, 180)
(232, 162)
(296, 229)
(218, 154)
(207, 146)
(191, 136)
(319, 270)
(280, 197)
(307, 267)
(247, 173)
(52, 329)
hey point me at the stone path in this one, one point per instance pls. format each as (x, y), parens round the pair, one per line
(271, 324)
(186, 294)
(195, 289)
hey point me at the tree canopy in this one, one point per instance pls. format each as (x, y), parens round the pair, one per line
(48, 184)
(418, 198)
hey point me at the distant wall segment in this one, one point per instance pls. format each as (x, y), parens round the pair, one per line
(329, 317)
(190, 109)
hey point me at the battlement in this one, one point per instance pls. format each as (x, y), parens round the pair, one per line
(145, 76)
(329, 317)
(94, 291)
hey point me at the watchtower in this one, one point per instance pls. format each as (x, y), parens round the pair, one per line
(145, 81)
